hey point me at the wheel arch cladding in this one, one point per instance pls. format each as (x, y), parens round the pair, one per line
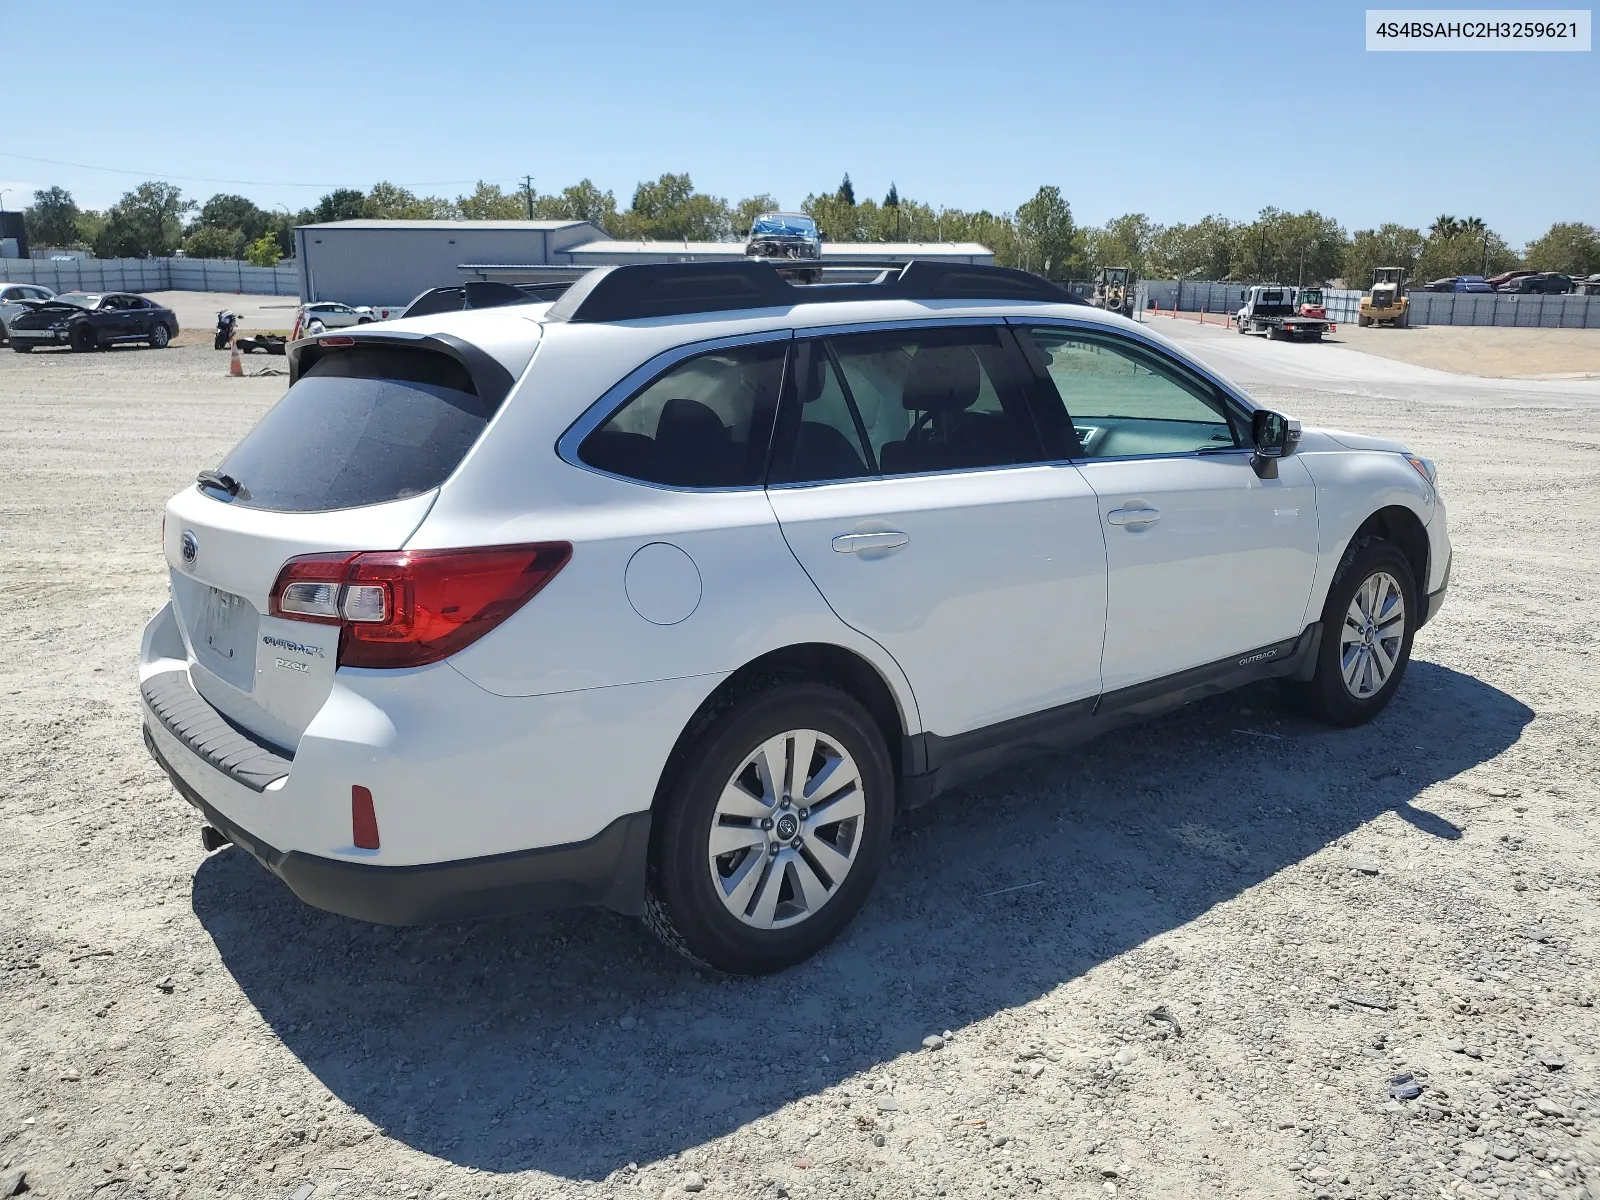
(811, 662)
(1402, 527)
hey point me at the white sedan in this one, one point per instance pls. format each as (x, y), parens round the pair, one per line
(323, 315)
(12, 302)
(668, 595)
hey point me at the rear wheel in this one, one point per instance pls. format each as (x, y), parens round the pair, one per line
(1363, 320)
(774, 831)
(315, 328)
(1367, 625)
(159, 337)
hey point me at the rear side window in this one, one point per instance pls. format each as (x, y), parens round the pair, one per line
(362, 426)
(705, 423)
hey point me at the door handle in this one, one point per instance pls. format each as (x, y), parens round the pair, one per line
(1133, 516)
(855, 543)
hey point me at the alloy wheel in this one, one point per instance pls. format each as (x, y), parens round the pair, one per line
(1373, 632)
(786, 829)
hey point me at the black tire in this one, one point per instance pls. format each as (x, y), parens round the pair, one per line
(364, 321)
(220, 342)
(1316, 337)
(1326, 697)
(84, 338)
(22, 348)
(159, 337)
(683, 906)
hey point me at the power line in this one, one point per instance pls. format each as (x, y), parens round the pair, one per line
(55, 162)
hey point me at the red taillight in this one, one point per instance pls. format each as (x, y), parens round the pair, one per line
(363, 819)
(407, 608)
(336, 341)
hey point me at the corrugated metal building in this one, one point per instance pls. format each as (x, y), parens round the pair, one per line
(391, 262)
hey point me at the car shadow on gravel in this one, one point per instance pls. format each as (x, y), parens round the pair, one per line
(570, 1043)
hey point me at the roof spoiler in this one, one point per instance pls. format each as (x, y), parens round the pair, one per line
(628, 293)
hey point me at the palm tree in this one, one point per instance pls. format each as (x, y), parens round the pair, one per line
(1443, 227)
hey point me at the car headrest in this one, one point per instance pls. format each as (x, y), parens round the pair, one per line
(942, 379)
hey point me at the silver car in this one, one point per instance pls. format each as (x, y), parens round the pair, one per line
(12, 297)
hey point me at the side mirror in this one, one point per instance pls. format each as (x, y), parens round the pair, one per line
(1274, 436)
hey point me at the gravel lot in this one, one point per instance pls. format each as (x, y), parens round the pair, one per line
(1185, 961)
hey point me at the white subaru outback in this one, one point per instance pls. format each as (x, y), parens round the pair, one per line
(666, 595)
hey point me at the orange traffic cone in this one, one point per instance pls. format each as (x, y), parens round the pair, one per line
(235, 364)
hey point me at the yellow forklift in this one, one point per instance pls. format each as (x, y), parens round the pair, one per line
(1386, 303)
(1113, 290)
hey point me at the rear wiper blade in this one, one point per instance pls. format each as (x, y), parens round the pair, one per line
(220, 480)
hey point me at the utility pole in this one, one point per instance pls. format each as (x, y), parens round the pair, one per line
(527, 191)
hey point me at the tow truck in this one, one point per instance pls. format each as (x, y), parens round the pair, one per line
(1270, 308)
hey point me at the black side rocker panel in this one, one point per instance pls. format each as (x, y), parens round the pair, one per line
(933, 764)
(608, 869)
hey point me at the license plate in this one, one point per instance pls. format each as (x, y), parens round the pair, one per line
(32, 333)
(224, 637)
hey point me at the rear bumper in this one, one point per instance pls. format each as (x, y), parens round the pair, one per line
(607, 869)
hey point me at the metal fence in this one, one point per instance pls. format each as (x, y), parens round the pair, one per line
(153, 275)
(1427, 308)
(1485, 308)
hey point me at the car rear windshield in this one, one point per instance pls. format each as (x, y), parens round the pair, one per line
(362, 426)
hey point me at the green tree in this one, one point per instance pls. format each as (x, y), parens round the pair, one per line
(146, 222)
(583, 201)
(341, 204)
(1121, 242)
(264, 251)
(391, 202)
(838, 220)
(1389, 245)
(748, 209)
(1202, 250)
(892, 200)
(225, 211)
(847, 191)
(489, 203)
(52, 219)
(670, 208)
(208, 241)
(1570, 247)
(1466, 247)
(1050, 241)
(91, 224)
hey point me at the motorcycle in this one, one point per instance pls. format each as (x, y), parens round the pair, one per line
(226, 324)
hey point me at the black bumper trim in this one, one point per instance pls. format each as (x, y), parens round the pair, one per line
(607, 869)
(187, 716)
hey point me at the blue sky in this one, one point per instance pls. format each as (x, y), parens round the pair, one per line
(1175, 110)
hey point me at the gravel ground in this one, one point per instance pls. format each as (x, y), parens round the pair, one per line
(1184, 961)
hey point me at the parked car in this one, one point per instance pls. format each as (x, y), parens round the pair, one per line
(1499, 281)
(90, 321)
(313, 318)
(784, 235)
(1458, 283)
(1588, 286)
(16, 298)
(674, 615)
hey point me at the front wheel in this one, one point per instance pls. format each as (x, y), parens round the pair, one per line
(84, 338)
(1367, 625)
(22, 347)
(773, 834)
(159, 337)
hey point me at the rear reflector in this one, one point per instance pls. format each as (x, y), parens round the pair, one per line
(407, 608)
(363, 819)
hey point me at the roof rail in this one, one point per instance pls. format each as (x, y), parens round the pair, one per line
(627, 293)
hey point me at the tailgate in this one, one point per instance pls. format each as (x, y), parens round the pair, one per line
(266, 674)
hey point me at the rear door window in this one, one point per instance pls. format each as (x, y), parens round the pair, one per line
(705, 423)
(364, 425)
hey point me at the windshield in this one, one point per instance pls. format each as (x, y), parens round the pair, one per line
(1117, 276)
(76, 298)
(1311, 296)
(781, 224)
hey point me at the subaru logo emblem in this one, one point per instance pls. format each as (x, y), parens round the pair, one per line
(191, 547)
